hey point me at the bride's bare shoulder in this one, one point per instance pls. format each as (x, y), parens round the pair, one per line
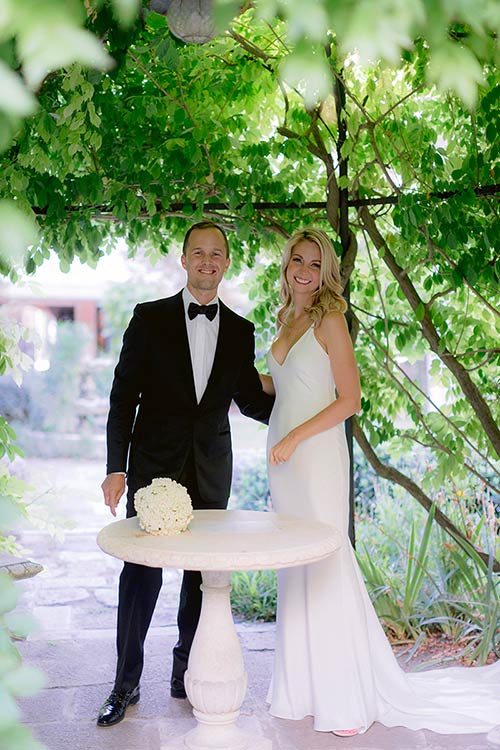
(332, 324)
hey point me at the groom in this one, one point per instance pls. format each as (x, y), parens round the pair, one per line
(183, 360)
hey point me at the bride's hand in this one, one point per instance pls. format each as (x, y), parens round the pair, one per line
(282, 451)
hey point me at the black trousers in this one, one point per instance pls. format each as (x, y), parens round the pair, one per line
(138, 592)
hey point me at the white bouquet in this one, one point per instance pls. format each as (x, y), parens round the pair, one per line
(163, 507)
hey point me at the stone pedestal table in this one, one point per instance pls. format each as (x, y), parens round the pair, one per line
(218, 542)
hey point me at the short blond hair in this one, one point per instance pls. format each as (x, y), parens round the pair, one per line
(328, 297)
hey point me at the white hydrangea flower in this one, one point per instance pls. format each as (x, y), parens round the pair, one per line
(163, 507)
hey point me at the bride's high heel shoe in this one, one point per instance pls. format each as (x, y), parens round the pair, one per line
(345, 732)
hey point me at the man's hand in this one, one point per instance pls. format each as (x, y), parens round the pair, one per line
(113, 488)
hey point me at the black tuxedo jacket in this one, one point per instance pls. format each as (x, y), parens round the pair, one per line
(155, 422)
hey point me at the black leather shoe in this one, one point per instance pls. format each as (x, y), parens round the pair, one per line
(113, 709)
(177, 689)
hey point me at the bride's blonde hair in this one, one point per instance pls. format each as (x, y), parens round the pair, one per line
(328, 297)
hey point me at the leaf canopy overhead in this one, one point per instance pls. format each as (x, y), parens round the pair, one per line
(184, 124)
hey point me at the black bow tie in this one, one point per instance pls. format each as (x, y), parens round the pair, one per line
(209, 310)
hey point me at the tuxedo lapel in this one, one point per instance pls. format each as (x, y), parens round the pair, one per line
(182, 357)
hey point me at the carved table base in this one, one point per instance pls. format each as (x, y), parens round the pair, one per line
(221, 540)
(216, 652)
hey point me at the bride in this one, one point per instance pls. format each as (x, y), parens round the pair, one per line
(332, 659)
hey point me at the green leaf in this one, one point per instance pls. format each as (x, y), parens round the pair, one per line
(376, 35)
(126, 10)
(224, 11)
(55, 43)
(17, 232)
(21, 625)
(19, 181)
(9, 711)
(8, 593)
(93, 116)
(20, 738)
(308, 72)
(10, 512)
(24, 681)
(453, 66)
(14, 96)
(420, 311)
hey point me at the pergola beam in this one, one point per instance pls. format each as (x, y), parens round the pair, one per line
(103, 210)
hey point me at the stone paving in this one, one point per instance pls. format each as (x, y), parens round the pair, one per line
(74, 601)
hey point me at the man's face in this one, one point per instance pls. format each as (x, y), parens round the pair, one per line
(205, 262)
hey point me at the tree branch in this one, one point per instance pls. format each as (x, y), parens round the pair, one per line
(387, 200)
(430, 333)
(434, 246)
(416, 386)
(251, 48)
(394, 475)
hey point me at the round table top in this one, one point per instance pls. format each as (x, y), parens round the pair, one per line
(224, 540)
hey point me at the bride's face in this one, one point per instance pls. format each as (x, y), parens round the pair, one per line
(304, 268)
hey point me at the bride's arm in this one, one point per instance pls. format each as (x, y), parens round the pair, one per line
(333, 335)
(267, 384)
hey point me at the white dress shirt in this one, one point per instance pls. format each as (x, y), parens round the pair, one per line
(202, 337)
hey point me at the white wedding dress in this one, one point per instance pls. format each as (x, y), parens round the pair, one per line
(332, 658)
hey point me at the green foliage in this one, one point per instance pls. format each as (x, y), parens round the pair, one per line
(12, 357)
(16, 680)
(7, 437)
(171, 95)
(37, 38)
(53, 393)
(17, 232)
(421, 582)
(12, 361)
(457, 37)
(250, 489)
(118, 305)
(12, 508)
(254, 594)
